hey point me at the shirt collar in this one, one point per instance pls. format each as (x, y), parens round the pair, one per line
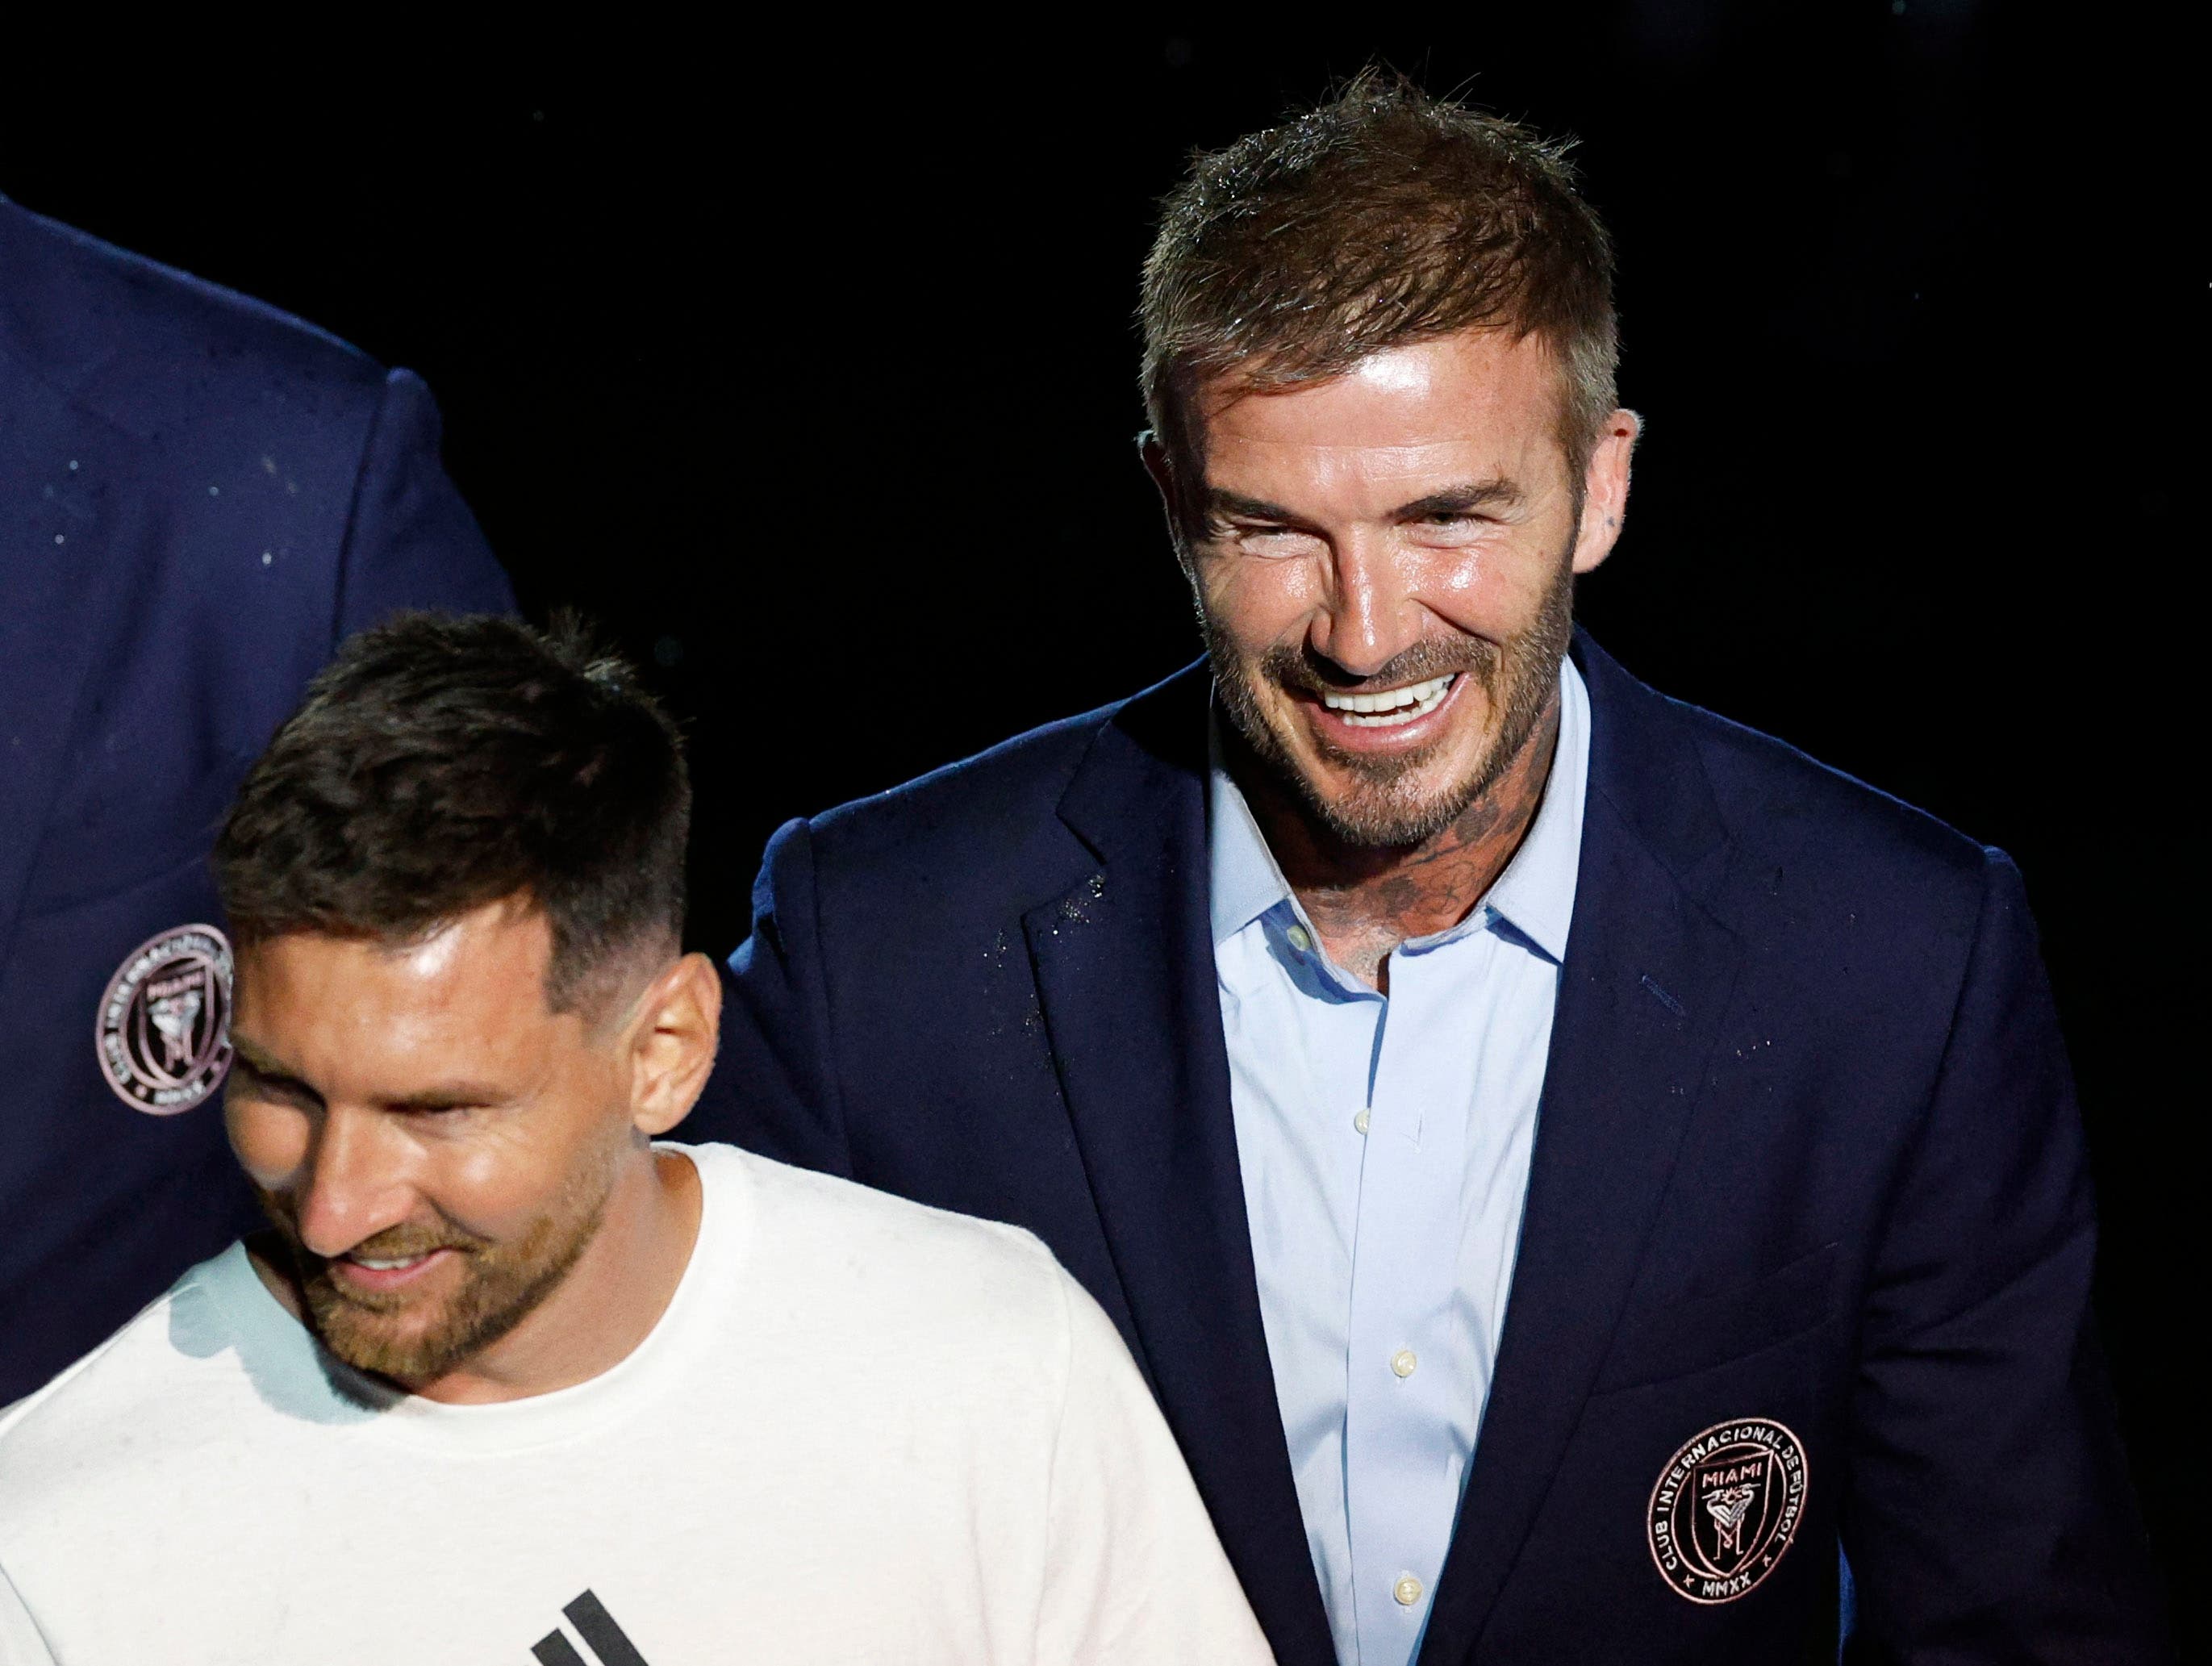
(1535, 894)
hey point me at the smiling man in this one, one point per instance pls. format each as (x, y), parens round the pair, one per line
(513, 1377)
(1565, 1162)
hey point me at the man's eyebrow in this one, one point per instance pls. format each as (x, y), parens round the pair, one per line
(445, 1096)
(1497, 494)
(1458, 500)
(448, 1096)
(258, 1063)
(1220, 502)
(255, 1060)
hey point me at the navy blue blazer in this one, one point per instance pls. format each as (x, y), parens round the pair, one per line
(1807, 1159)
(200, 497)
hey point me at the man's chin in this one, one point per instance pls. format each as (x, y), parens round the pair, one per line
(1383, 814)
(1378, 800)
(406, 1348)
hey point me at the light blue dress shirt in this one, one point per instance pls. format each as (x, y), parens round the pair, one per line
(1385, 1144)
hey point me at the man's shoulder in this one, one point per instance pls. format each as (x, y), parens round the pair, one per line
(1790, 820)
(1024, 775)
(866, 1262)
(115, 1408)
(928, 827)
(152, 349)
(1770, 790)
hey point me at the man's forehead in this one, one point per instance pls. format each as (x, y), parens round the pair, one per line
(1478, 388)
(487, 964)
(385, 1023)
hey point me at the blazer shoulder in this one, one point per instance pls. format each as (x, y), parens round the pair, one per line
(1769, 780)
(997, 795)
(155, 350)
(1801, 829)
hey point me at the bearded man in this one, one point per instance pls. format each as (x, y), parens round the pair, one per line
(512, 1376)
(1502, 1108)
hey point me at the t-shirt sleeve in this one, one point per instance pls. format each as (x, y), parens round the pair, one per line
(1132, 1570)
(21, 1644)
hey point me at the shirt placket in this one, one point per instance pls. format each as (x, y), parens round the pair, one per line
(1398, 1441)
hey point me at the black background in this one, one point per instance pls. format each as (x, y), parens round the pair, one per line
(807, 369)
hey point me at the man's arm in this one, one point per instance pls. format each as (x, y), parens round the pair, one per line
(410, 541)
(1988, 1513)
(1133, 1569)
(775, 1088)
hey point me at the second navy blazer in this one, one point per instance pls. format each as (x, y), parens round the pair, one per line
(1806, 1158)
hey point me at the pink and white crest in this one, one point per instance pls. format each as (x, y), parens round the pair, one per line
(163, 1029)
(1726, 1507)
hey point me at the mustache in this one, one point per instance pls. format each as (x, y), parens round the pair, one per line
(397, 1242)
(1303, 672)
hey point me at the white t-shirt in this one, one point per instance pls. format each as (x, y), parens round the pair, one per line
(864, 1430)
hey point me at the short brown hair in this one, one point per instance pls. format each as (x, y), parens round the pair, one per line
(441, 762)
(1383, 217)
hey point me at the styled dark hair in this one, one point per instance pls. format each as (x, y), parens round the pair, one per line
(1382, 218)
(442, 762)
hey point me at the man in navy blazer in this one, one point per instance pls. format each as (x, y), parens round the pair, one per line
(1565, 1162)
(199, 497)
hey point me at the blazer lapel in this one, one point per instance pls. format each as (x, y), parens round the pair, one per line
(1124, 963)
(1647, 976)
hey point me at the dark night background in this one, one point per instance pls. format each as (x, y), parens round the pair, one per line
(807, 370)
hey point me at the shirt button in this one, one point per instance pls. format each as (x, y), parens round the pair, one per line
(1360, 1122)
(1301, 939)
(1403, 1362)
(1407, 1590)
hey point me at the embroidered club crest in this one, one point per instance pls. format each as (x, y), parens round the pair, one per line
(163, 1033)
(1726, 1508)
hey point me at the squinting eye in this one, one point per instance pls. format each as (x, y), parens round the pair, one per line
(1276, 538)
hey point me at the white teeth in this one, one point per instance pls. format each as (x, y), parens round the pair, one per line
(1392, 707)
(387, 1266)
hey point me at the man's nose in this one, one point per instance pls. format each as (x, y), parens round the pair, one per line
(1369, 616)
(355, 1183)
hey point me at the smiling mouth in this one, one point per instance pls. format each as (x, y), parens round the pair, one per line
(1390, 708)
(372, 1275)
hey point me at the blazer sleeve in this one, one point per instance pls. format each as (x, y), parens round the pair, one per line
(410, 541)
(774, 1088)
(1988, 1513)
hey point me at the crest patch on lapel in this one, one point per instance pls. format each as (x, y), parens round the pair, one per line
(1726, 1509)
(163, 1028)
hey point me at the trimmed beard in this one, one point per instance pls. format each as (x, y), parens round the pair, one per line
(501, 1284)
(1381, 808)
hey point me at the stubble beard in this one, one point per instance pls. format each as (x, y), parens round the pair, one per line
(1383, 806)
(502, 1283)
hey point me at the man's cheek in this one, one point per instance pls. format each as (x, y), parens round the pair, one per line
(1258, 601)
(270, 1141)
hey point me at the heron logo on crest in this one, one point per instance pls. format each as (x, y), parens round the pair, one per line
(163, 1029)
(1726, 1509)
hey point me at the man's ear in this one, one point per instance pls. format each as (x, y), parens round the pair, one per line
(671, 1043)
(1605, 490)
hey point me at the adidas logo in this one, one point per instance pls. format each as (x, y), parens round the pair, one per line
(605, 1642)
